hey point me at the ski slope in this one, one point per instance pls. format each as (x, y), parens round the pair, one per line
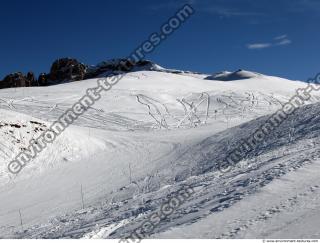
(151, 134)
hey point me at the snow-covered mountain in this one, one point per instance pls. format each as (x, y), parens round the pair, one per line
(156, 131)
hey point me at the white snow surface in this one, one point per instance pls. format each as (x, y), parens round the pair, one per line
(152, 134)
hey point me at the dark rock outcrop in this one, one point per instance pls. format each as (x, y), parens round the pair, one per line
(117, 65)
(15, 80)
(43, 79)
(18, 79)
(67, 69)
(32, 79)
(70, 69)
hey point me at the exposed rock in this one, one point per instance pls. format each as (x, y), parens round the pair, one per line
(70, 69)
(116, 65)
(67, 69)
(32, 79)
(15, 80)
(43, 79)
(2, 84)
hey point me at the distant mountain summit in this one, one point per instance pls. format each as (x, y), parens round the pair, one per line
(231, 76)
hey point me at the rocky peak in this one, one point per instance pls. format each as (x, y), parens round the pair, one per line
(70, 69)
(67, 69)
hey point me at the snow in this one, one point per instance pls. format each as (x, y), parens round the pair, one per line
(282, 209)
(151, 134)
(237, 75)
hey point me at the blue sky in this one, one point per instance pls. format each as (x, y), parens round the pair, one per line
(276, 37)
